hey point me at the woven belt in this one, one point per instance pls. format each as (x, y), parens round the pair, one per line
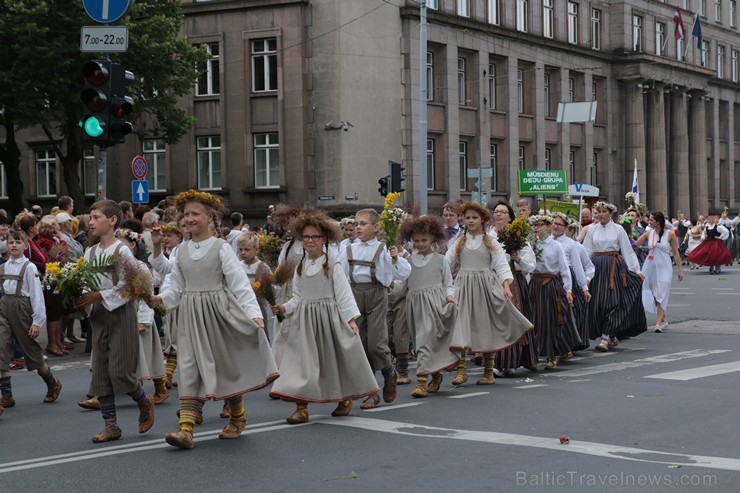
(547, 279)
(612, 270)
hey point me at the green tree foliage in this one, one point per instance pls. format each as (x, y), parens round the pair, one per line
(41, 79)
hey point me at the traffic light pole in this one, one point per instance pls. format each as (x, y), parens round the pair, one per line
(102, 156)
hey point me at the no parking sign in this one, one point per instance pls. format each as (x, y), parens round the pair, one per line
(139, 167)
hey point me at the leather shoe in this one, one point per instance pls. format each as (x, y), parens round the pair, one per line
(53, 394)
(235, 428)
(390, 387)
(181, 439)
(146, 417)
(108, 434)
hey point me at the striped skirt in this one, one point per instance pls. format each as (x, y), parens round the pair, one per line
(579, 313)
(552, 316)
(616, 307)
(523, 353)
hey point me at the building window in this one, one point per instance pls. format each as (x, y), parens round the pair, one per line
(520, 157)
(733, 13)
(571, 90)
(735, 67)
(209, 163)
(594, 91)
(720, 62)
(463, 155)
(572, 22)
(660, 38)
(209, 80)
(492, 153)
(266, 160)
(3, 182)
(595, 29)
(433, 4)
(154, 153)
(264, 65)
(461, 81)
(46, 173)
(572, 166)
(704, 59)
(548, 18)
(89, 171)
(492, 86)
(703, 8)
(594, 171)
(430, 164)
(522, 15)
(463, 8)
(430, 76)
(686, 4)
(547, 94)
(718, 10)
(680, 50)
(548, 161)
(520, 90)
(636, 33)
(493, 12)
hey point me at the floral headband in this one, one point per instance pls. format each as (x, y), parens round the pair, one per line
(205, 198)
(559, 215)
(131, 236)
(602, 204)
(167, 229)
(473, 206)
(540, 218)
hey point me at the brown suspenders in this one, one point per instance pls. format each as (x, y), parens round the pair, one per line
(365, 263)
(13, 277)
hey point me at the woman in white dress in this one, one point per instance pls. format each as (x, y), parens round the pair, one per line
(657, 268)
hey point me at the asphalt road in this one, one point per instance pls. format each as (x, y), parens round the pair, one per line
(657, 414)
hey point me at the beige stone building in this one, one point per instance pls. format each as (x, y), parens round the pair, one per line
(308, 100)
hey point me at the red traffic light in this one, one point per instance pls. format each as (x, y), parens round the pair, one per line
(95, 73)
(120, 107)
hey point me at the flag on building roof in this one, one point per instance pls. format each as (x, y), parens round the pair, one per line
(679, 31)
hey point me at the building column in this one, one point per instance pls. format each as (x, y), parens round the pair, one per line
(716, 153)
(679, 157)
(634, 139)
(452, 120)
(564, 137)
(656, 187)
(698, 154)
(512, 122)
(731, 154)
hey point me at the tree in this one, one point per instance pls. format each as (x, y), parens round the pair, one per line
(41, 79)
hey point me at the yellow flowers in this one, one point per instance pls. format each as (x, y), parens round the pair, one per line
(213, 201)
(256, 286)
(53, 268)
(391, 219)
(390, 199)
(78, 264)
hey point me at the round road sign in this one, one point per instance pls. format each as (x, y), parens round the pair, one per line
(139, 167)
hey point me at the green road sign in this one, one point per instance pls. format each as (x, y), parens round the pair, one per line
(540, 181)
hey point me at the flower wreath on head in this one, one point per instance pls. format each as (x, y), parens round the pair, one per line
(480, 209)
(559, 215)
(540, 218)
(131, 236)
(602, 204)
(167, 229)
(347, 220)
(205, 198)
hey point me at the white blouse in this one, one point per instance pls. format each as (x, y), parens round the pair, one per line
(342, 290)
(385, 270)
(611, 237)
(527, 259)
(111, 293)
(574, 260)
(31, 287)
(553, 261)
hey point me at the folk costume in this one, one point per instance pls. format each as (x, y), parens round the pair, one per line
(712, 251)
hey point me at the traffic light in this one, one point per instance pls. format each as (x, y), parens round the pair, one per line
(120, 105)
(383, 189)
(397, 177)
(95, 98)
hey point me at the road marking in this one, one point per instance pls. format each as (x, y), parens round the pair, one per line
(680, 289)
(104, 451)
(684, 294)
(727, 294)
(391, 408)
(701, 372)
(531, 386)
(623, 365)
(510, 439)
(722, 289)
(582, 380)
(465, 396)
(671, 304)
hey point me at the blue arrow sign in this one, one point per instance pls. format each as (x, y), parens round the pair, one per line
(106, 11)
(140, 191)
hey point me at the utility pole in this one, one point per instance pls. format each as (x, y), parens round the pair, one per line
(422, 186)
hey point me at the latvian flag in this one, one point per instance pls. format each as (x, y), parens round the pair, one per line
(679, 30)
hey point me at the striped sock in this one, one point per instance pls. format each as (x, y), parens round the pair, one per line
(108, 408)
(201, 402)
(5, 387)
(488, 360)
(140, 396)
(236, 407)
(189, 409)
(48, 379)
(170, 365)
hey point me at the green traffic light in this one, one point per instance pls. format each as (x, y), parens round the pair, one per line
(93, 128)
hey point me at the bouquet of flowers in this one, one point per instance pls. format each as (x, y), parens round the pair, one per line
(138, 284)
(269, 249)
(73, 280)
(391, 218)
(630, 197)
(264, 287)
(534, 241)
(514, 236)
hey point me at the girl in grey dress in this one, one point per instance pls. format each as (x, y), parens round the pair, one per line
(324, 361)
(223, 351)
(431, 308)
